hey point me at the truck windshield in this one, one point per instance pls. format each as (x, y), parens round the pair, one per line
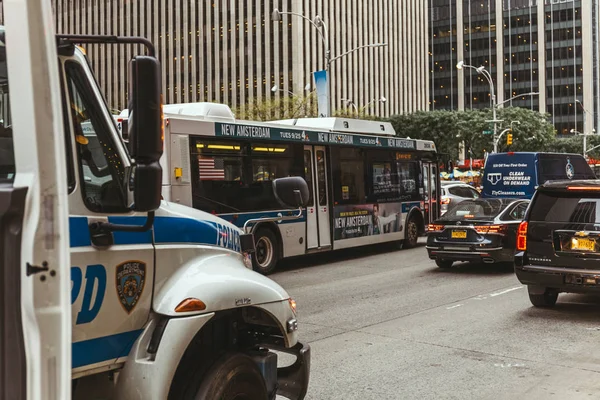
(7, 158)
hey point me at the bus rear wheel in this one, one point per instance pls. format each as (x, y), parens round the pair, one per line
(265, 256)
(412, 234)
(233, 377)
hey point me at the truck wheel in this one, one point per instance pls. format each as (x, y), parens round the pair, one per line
(412, 234)
(546, 299)
(234, 376)
(444, 263)
(265, 256)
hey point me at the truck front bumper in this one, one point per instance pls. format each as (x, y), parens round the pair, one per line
(292, 381)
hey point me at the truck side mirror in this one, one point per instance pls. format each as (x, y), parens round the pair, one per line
(144, 125)
(144, 129)
(291, 192)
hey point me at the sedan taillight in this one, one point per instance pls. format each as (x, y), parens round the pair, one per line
(522, 236)
(435, 228)
(445, 200)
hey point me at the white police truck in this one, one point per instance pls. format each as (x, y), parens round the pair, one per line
(163, 300)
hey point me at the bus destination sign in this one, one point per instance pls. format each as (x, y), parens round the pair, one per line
(269, 133)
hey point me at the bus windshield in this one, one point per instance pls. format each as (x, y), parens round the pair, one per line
(7, 158)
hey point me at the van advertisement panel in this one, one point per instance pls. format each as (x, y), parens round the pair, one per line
(509, 176)
(365, 220)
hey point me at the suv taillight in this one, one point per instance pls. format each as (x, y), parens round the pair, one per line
(522, 236)
(499, 229)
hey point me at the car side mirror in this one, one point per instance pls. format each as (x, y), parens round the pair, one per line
(144, 131)
(291, 192)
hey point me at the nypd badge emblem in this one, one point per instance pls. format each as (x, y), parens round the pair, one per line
(130, 280)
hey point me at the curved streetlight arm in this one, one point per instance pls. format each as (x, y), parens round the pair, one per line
(519, 95)
(500, 135)
(356, 49)
(277, 15)
(325, 39)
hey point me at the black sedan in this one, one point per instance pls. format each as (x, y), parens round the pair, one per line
(478, 230)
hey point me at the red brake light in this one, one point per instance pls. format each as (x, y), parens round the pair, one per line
(445, 200)
(499, 229)
(583, 187)
(435, 228)
(522, 236)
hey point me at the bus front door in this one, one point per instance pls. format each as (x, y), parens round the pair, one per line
(430, 187)
(318, 229)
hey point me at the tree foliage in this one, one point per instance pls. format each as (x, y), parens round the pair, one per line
(277, 108)
(292, 107)
(532, 132)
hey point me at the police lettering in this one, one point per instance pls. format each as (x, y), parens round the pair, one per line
(95, 277)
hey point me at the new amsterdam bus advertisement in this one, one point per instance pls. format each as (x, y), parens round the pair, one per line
(367, 219)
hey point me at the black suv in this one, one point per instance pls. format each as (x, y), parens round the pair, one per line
(558, 242)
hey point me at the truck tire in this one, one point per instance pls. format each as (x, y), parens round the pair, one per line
(412, 233)
(233, 376)
(546, 299)
(266, 255)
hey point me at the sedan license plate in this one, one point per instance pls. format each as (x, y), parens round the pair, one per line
(459, 234)
(583, 244)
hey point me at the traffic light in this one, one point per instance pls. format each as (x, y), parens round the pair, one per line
(509, 139)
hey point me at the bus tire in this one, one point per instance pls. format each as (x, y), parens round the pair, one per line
(233, 376)
(266, 255)
(412, 233)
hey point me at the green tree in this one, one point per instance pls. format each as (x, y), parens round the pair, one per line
(447, 129)
(277, 108)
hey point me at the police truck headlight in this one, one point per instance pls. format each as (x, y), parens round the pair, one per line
(247, 260)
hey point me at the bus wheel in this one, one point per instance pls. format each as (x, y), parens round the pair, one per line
(265, 257)
(412, 234)
(234, 376)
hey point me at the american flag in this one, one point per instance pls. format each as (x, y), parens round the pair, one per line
(211, 169)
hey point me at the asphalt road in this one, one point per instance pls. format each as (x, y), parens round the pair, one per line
(388, 324)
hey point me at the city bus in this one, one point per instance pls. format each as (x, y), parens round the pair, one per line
(367, 186)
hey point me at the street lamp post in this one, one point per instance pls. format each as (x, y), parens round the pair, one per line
(382, 99)
(275, 88)
(321, 28)
(585, 135)
(482, 71)
(350, 103)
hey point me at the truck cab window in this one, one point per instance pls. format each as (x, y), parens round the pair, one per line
(102, 173)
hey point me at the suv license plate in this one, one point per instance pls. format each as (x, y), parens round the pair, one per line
(459, 234)
(583, 244)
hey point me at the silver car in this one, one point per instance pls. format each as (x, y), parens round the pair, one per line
(453, 192)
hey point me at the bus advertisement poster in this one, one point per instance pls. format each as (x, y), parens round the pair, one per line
(366, 220)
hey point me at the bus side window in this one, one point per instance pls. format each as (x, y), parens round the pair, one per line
(351, 186)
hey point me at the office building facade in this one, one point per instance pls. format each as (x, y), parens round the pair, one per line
(549, 47)
(231, 51)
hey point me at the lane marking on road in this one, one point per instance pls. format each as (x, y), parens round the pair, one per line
(505, 291)
(509, 365)
(451, 307)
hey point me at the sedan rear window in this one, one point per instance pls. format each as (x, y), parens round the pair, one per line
(476, 209)
(581, 208)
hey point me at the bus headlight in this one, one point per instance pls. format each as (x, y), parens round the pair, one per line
(247, 260)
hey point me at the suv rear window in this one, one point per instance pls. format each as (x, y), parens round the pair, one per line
(479, 209)
(583, 208)
(552, 167)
